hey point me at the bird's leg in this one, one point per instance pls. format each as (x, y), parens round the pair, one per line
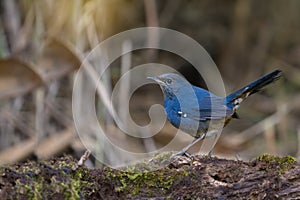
(185, 149)
(212, 148)
(210, 152)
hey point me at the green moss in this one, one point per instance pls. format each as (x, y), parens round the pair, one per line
(284, 163)
(77, 183)
(37, 189)
(162, 157)
(136, 191)
(132, 182)
(34, 178)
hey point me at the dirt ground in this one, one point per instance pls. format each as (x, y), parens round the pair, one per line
(267, 177)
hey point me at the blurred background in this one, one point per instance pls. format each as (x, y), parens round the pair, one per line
(42, 44)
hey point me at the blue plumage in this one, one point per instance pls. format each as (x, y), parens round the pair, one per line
(193, 109)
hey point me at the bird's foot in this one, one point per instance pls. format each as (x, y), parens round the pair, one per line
(182, 153)
(179, 153)
(190, 156)
(210, 153)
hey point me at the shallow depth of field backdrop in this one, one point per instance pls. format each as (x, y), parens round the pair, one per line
(42, 43)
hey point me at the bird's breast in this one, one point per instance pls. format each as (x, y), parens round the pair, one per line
(182, 120)
(171, 109)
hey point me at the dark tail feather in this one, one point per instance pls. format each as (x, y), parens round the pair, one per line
(237, 97)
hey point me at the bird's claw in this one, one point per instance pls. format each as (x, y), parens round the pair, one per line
(182, 153)
(188, 155)
(210, 153)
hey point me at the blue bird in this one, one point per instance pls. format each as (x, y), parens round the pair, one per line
(199, 112)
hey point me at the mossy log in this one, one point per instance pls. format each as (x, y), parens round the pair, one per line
(267, 177)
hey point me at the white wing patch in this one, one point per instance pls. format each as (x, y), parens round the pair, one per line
(237, 102)
(182, 114)
(248, 93)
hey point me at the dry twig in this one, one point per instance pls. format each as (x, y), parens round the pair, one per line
(82, 160)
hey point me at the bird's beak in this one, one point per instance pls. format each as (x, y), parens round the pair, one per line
(156, 79)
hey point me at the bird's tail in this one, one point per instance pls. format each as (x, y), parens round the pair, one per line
(237, 97)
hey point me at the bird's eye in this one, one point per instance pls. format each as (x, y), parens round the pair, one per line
(168, 81)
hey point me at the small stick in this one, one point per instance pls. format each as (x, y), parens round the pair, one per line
(82, 160)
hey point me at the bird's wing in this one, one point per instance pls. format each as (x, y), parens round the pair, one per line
(209, 108)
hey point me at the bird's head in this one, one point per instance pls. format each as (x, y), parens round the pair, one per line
(170, 83)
